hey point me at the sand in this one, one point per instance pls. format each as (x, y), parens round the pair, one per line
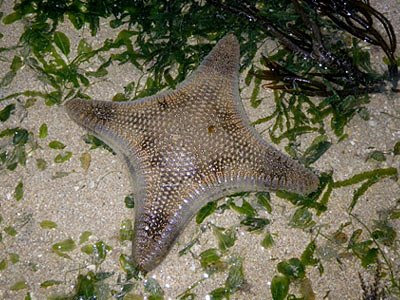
(93, 200)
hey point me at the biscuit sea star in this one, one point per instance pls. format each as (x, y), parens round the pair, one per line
(186, 147)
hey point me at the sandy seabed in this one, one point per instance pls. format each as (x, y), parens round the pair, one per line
(92, 200)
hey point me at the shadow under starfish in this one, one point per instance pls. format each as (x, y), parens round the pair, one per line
(186, 147)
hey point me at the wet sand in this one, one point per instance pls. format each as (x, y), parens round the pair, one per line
(93, 200)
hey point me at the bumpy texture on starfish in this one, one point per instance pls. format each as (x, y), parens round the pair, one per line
(186, 147)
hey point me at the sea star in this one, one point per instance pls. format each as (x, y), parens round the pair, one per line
(186, 147)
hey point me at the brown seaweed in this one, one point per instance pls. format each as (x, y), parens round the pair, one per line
(307, 41)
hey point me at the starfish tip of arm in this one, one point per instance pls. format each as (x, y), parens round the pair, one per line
(77, 109)
(224, 57)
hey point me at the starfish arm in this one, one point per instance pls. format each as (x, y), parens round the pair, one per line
(97, 117)
(279, 172)
(159, 223)
(156, 232)
(269, 167)
(223, 58)
(109, 122)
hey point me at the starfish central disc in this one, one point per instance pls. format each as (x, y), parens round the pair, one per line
(186, 147)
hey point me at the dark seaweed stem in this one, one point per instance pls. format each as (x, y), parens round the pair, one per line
(283, 79)
(304, 45)
(351, 76)
(249, 12)
(338, 66)
(357, 18)
(300, 43)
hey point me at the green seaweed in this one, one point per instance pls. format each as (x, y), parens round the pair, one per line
(96, 143)
(129, 267)
(309, 201)
(84, 237)
(235, 279)
(317, 148)
(365, 176)
(41, 164)
(98, 251)
(396, 148)
(162, 47)
(307, 257)
(152, 287)
(210, 260)
(302, 218)
(43, 131)
(47, 224)
(279, 287)
(292, 268)
(370, 178)
(49, 283)
(225, 237)
(187, 248)
(62, 42)
(245, 209)
(205, 211)
(19, 191)
(6, 112)
(363, 249)
(264, 199)
(326, 181)
(14, 153)
(129, 201)
(10, 230)
(56, 145)
(253, 224)
(14, 258)
(63, 157)
(3, 264)
(126, 230)
(85, 160)
(64, 246)
(19, 285)
(90, 286)
(361, 191)
(234, 282)
(268, 241)
(384, 233)
(376, 155)
(372, 254)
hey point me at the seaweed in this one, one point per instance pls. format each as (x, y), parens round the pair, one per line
(314, 57)
(302, 35)
(292, 271)
(320, 51)
(358, 18)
